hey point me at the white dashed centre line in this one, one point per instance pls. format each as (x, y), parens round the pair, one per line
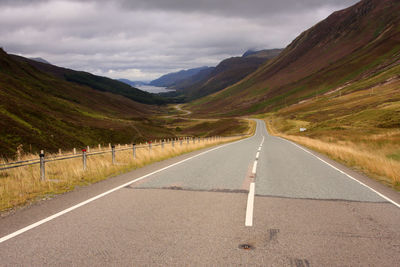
(250, 206)
(254, 168)
(250, 198)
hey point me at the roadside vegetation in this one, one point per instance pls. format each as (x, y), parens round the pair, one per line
(23, 185)
(360, 129)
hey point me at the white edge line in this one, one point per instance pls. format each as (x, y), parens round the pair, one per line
(257, 155)
(58, 214)
(254, 167)
(348, 175)
(259, 149)
(250, 206)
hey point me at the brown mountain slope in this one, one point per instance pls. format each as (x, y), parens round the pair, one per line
(40, 111)
(351, 44)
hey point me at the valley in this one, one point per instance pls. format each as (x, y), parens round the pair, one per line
(183, 135)
(338, 79)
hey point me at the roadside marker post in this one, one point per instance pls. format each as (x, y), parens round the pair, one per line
(84, 159)
(113, 154)
(42, 166)
(134, 150)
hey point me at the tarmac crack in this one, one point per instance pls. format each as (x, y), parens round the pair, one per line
(179, 188)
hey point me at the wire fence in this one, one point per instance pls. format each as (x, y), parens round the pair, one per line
(85, 153)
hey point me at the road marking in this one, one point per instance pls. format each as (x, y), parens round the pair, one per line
(250, 206)
(257, 155)
(254, 167)
(262, 142)
(348, 175)
(36, 224)
(259, 149)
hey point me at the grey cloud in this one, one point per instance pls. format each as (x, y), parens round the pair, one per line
(149, 37)
(233, 7)
(221, 7)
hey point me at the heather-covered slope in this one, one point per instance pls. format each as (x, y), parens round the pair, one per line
(349, 46)
(98, 83)
(40, 111)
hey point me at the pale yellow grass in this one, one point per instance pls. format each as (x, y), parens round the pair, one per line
(369, 160)
(21, 185)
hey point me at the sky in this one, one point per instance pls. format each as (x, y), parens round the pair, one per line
(141, 40)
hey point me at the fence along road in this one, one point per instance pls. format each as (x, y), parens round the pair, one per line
(260, 201)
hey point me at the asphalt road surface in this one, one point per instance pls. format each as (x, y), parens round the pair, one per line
(260, 201)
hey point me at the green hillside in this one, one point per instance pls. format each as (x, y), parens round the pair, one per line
(41, 111)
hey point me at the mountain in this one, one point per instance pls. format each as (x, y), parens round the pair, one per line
(170, 79)
(39, 59)
(129, 82)
(133, 83)
(266, 53)
(41, 111)
(339, 53)
(95, 82)
(200, 77)
(226, 73)
(249, 53)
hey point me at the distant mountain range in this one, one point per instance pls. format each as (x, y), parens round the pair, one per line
(349, 46)
(195, 83)
(171, 79)
(133, 83)
(226, 73)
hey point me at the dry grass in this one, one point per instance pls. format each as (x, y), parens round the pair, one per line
(22, 185)
(370, 156)
(359, 129)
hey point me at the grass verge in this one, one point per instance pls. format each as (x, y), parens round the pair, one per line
(23, 185)
(360, 128)
(369, 156)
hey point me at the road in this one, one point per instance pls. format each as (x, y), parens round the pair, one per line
(179, 108)
(201, 209)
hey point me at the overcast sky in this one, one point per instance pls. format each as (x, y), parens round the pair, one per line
(143, 39)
